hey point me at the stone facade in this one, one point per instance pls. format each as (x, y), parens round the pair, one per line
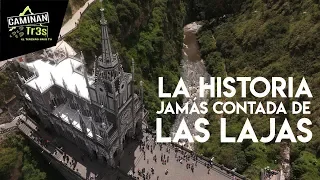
(97, 112)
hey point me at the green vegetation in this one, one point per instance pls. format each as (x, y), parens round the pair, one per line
(73, 6)
(18, 161)
(8, 81)
(263, 38)
(149, 31)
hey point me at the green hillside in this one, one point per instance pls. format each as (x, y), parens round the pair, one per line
(263, 38)
(240, 38)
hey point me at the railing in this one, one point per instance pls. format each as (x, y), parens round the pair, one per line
(73, 29)
(57, 158)
(31, 78)
(208, 161)
(215, 166)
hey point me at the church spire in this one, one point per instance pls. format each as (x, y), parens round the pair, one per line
(82, 123)
(106, 45)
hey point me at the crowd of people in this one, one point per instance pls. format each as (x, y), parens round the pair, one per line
(67, 160)
(180, 156)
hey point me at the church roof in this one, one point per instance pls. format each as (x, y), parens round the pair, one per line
(64, 46)
(49, 73)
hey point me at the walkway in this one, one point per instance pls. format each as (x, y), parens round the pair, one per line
(66, 154)
(177, 170)
(132, 157)
(71, 24)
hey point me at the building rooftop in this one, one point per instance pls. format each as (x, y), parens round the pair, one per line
(65, 72)
(58, 66)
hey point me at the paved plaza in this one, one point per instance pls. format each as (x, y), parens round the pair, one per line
(138, 155)
(176, 166)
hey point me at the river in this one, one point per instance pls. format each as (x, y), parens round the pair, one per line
(192, 68)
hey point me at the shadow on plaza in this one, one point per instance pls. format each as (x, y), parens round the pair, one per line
(128, 159)
(86, 165)
(125, 161)
(131, 158)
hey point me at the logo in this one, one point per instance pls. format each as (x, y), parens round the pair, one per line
(29, 27)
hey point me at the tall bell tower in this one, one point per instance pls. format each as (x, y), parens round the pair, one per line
(112, 86)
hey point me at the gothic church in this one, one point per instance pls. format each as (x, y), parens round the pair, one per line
(97, 112)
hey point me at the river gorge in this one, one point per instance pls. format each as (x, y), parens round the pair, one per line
(192, 68)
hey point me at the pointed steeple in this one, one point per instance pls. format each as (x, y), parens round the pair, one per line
(66, 52)
(94, 65)
(82, 123)
(107, 59)
(102, 113)
(74, 101)
(63, 95)
(86, 107)
(37, 86)
(141, 95)
(20, 78)
(76, 89)
(59, 115)
(132, 86)
(35, 71)
(52, 78)
(132, 101)
(93, 128)
(69, 120)
(107, 56)
(72, 66)
(64, 84)
(55, 59)
(20, 90)
(51, 95)
(82, 58)
(45, 53)
(104, 133)
(85, 74)
(95, 69)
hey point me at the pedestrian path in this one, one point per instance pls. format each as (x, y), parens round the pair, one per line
(178, 167)
(71, 24)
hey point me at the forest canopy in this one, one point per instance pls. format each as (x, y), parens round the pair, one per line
(240, 38)
(263, 38)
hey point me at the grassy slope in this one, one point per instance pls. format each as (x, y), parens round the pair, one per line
(274, 38)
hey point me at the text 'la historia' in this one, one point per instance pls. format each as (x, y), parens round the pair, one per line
(278, 87)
